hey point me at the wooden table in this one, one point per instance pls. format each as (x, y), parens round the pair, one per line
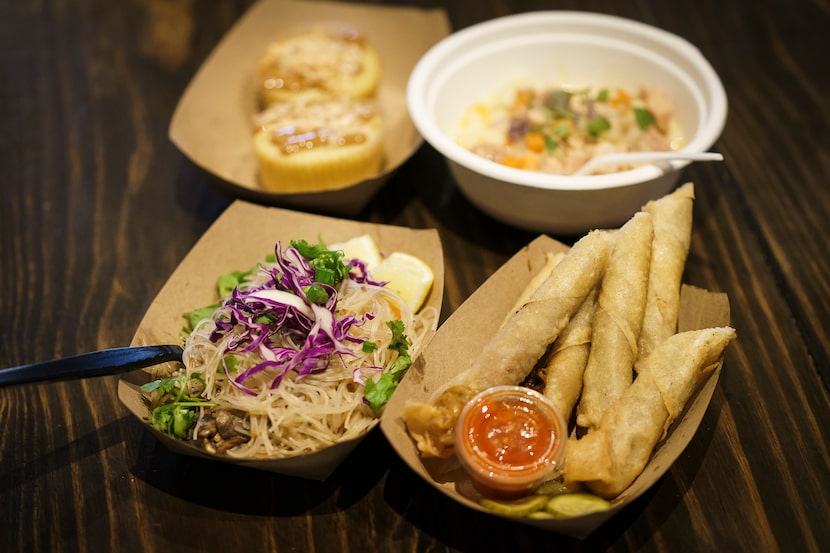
(98, 208)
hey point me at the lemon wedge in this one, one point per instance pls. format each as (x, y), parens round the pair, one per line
(407, 275)
(360, 247)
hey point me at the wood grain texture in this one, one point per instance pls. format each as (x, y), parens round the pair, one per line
(99, 207)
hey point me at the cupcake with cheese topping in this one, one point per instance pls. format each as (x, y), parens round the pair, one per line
(318, 143)
(318, 62)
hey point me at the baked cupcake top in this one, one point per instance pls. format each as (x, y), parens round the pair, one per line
(321, 60)
(310, 123)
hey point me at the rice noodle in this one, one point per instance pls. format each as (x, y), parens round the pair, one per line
(303, 414)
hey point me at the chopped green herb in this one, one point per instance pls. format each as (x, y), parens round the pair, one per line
(316, 294)
(224, 287)
(328, 265)
(602, 95)
(231, 362)
(559, 101)
(193, 317)
(644, 117)
(550, 143)
(227, 282)
(377, 394)
(369, 347)
(179, 415)
(266, 319)
(597, 125)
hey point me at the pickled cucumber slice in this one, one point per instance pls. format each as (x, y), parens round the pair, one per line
(554, 487)
(543, 515)
(576, 504)
(519, 507)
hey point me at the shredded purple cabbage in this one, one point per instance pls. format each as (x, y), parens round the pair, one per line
(252, 318)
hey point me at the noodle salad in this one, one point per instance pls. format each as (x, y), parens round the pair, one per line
(300, 352)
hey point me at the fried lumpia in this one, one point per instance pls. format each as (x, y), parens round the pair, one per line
(551, 259)
(516, 347)
(617, 320)
(608, 459)
(562, 374)
(671, 216)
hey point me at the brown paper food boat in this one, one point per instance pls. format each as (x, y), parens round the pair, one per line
(464, 334)
(212, 122)
(243, 235)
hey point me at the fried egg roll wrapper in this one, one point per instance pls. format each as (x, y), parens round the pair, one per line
(617, 320)
(551, 259)
(671, 216)
(562, 374)
(608, 459)
(515, 348)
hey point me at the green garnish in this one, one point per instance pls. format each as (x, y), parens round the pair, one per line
(316, 294)
(562, 130)
(224, 286)
(179, 415)
(369, 347)
(231, 362)
(644, 117)
(597, 125)
(378, 393)
(559, 101)
(328, 265)
(193, 317)
(550, 143)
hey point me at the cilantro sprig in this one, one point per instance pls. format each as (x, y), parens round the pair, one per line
(377, 394)
(179, 415)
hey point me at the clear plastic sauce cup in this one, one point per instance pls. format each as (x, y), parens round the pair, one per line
(510, 439)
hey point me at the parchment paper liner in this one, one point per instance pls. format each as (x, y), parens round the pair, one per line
(243, 235)
(465, 332)
(212, 122)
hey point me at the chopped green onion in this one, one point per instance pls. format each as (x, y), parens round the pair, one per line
(550, 143)
(316, 294)
(598, 125)
(644, 117)
(562, 129)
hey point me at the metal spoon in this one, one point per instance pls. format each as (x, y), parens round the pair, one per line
(644, 157)
(95, 363)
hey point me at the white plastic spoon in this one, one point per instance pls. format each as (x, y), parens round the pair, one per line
(644, 157)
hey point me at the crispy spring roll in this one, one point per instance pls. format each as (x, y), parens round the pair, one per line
(617, 320)
(562, 374)
(515, 348)
(671, 216)
(551, 259)
(608, 459)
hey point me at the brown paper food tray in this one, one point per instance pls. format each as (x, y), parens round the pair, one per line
(464, 334)
(242, 236)
(212, 122)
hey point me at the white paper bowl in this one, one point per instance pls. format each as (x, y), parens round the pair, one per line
(577, 49)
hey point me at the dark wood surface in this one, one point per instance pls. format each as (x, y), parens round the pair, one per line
(98, 208)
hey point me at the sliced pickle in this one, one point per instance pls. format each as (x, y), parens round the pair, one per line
(576, 504)
(518, 507)
(554, 487)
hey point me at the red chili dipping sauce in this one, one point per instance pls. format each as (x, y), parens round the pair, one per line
(510, 438)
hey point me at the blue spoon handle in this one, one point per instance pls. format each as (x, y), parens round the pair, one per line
(96, 363)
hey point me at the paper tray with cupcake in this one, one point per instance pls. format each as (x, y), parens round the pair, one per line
(320, 127)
